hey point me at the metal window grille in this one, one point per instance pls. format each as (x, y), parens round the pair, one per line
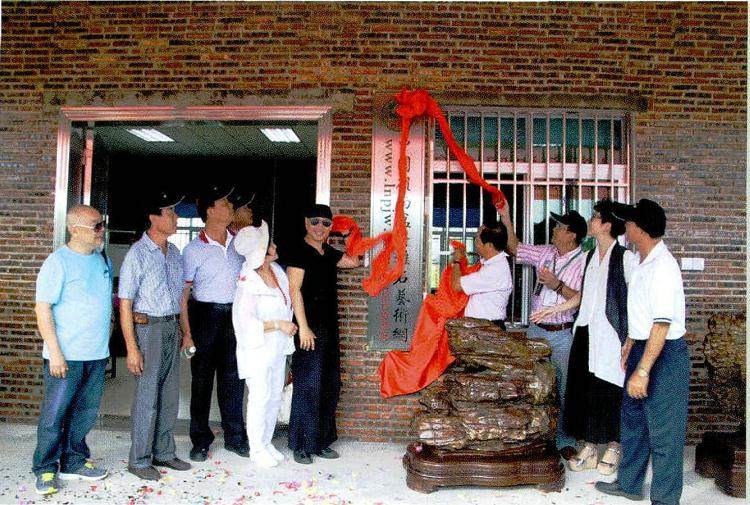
(550, 160)
(187, 229)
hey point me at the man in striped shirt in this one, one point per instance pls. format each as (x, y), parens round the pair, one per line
(149, 291)
(559, 269)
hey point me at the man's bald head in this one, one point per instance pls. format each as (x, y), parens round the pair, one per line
(82, 215)
(85, 235)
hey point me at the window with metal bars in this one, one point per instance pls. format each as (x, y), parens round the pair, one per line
(543, 160)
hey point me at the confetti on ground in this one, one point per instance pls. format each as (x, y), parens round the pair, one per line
(366, 474)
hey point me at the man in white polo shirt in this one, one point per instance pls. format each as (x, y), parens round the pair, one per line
(211, 267)
(657, 364)
(489, 287)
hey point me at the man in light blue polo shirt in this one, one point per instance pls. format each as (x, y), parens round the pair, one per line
(73, 312)
(211, 267)
(150, 289)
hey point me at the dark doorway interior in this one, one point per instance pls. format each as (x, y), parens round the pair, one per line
(282, 186)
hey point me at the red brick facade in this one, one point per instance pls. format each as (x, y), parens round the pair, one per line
(685, 62)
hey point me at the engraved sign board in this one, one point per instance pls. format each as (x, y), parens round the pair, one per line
(391, 316)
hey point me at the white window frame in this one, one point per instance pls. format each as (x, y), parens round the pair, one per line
(612, 179)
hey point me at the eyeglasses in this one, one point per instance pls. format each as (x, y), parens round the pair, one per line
(315, 221)
(96, 227)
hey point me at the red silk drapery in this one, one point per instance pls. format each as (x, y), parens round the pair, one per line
(412, 105)
(403, 372)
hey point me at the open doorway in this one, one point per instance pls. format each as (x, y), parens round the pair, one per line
(110, 165)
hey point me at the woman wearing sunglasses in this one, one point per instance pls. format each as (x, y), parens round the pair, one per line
(312, 270)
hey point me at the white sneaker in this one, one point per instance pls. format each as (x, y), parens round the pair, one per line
(273, 451)
(263, 459)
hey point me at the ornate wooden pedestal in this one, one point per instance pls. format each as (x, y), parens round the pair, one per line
(428, 469)
(722, 456)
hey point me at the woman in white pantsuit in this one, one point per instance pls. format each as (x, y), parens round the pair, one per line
(262, 317)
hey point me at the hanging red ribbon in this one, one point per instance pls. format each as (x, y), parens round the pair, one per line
(412, 105)
(405, 372)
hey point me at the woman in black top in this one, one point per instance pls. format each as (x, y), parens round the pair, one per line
(312, 271)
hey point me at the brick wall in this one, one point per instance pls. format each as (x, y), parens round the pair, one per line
(685, 62)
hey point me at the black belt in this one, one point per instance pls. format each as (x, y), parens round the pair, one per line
(555, 327)
(214, 305)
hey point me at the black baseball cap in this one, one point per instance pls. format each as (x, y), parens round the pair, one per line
(318, 210)
(213, 192)
(157, 200)
(647, 214)
(241, 197)
(574, 221)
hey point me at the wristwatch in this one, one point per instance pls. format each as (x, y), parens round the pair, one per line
(642, 372)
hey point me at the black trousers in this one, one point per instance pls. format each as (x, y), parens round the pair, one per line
(315, 396)
(216, 354)
(592, 405)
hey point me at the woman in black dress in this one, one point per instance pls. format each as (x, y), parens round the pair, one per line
(312, 272)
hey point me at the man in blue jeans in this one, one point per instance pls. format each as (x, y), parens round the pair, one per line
(73, 312)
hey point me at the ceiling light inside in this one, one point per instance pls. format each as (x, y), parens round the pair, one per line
(150, 135)
(280, 134)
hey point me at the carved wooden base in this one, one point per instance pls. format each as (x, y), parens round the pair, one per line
(722, 456)
(428, 469)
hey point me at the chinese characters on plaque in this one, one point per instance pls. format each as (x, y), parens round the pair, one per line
(391, 316)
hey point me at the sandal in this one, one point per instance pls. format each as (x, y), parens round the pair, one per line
(610, 461)
(584, 460)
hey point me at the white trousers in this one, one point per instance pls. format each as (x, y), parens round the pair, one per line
(264, 398)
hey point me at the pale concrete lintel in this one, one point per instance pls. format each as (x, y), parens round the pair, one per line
(337, 101)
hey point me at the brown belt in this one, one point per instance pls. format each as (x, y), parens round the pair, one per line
(141, 318)
(555, 327)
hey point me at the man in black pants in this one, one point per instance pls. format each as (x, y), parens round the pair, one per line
(211, 267)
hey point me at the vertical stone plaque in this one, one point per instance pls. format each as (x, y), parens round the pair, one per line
(391, 316)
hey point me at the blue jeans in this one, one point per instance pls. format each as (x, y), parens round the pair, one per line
(68, 413)
(560, 342)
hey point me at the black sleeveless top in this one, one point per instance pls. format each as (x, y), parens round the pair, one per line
(616, 308)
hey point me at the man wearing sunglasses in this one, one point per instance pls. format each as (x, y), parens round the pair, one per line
(312, 270)
(73, 312)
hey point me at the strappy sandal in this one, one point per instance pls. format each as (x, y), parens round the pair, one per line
(584, 460)
(610, 461)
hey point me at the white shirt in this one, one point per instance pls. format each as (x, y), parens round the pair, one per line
(254, 303)
(211, 268)
(655, 295)
(489, 289)
(604, 343)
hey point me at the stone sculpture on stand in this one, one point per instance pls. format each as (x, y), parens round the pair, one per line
(721, 455)
(490, 419)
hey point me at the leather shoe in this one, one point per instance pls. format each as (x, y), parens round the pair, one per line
(613, 488)
(145, 473)
(328, 453)
(174, 464)
(243, 452)
(567, 452)
(199, 454)
(302, 457)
